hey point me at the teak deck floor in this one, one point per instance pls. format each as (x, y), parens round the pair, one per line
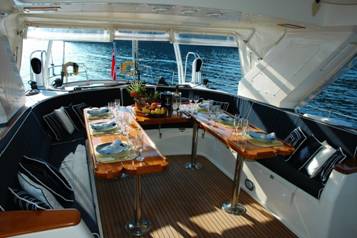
(184, 203)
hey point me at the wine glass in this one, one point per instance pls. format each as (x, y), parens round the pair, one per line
(117, 104)
(196, 99)
(236, 123)
(244, 126)
(138, 144)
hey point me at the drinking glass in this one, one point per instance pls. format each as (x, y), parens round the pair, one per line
(210, 108)
(244, 126)
(196, 99)
(177, 101)
(111, 106)
(236, 119)
(138, 144)
(117, 104)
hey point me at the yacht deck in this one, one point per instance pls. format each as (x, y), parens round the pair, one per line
(184, 203)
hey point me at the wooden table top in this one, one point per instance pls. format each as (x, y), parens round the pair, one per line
(153, 162)
(243, 145)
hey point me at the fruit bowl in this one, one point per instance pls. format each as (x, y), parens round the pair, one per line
(154, 110)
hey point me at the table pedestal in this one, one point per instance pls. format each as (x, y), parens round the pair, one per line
(234, 207)
(138, 226)
(193, 164)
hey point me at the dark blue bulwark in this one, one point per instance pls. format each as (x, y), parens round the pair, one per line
(28, 135)
(282, 122)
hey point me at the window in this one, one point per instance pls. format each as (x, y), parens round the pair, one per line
(339, 99)
(221, 66)
(157, 59)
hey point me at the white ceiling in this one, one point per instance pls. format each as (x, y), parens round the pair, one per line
(213, 13)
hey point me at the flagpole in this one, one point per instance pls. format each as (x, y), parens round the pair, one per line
(114, 70)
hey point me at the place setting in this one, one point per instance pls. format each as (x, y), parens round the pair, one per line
(242, 133)
(96, 113)
(116, 151)
(104, 127)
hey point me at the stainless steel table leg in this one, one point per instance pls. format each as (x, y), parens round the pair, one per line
(234, 207)
(194, 165)
(138, 226)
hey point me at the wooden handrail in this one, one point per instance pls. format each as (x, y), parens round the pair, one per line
(23, 222)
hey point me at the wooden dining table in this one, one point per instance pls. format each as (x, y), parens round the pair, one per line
(246, 148)
(151, 160)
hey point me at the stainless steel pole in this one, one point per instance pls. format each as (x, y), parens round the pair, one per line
(234, 207)
(138, 226)
(194, 165)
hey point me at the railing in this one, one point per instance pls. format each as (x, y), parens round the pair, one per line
(329, 116)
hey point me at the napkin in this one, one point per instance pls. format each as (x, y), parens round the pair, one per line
(99, 126)
(114, 148)
(225, 117)
(262, 136)
(98, 111)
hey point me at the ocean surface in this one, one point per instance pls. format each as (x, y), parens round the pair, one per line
(221, 66)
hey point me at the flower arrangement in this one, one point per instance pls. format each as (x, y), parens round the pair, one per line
(137, 89)
(138, 92)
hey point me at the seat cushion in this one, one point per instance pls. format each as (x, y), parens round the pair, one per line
(38, 191)
(76, 170)
(60, 150)
(296, 138)
(78, 111)
(25, 201)
(305, 153)
(316, 164)
(58, 131)
(48, 177)
(65, 119)
(338, 157)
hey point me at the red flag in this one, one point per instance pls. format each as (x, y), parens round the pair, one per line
(114, 71)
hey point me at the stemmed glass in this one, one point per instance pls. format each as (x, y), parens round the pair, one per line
(244, 125)
(236, 119)
(196, 99)
(138, 144)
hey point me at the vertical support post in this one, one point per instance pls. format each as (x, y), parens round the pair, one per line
(193, 164)
(181, 79)
(234, 207)
(138, 226)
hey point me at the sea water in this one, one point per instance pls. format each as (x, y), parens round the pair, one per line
(221, 66)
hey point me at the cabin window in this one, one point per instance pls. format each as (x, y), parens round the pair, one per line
(338, 99)
(157, 60)
(221, 66)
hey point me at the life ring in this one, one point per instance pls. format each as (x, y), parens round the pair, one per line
(74, 65)
(126, 67)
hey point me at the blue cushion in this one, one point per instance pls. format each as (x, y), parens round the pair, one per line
(43, 174)
(26, 201)
(305, 152)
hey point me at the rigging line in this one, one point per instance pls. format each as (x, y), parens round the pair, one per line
(338, 3)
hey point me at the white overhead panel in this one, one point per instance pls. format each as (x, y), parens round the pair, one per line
(205, 39)
(297, 67)
(68, 34)
(325, 13)
(141, 35)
